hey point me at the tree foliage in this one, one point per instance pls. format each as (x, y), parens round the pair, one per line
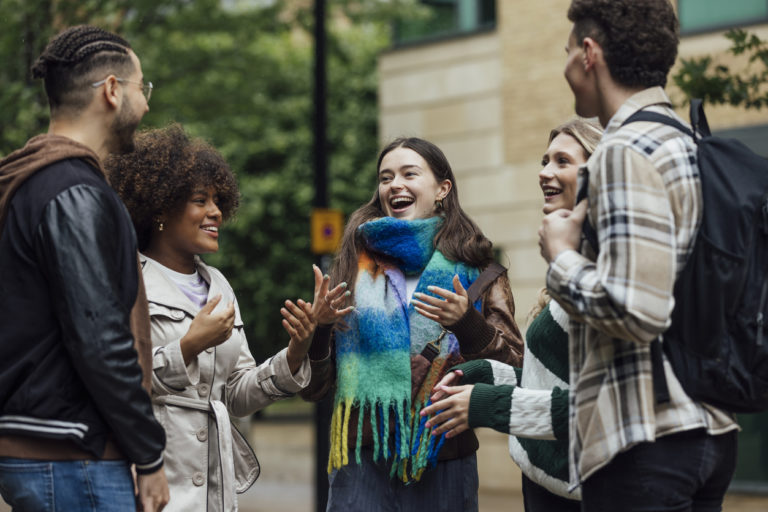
(238, 73)
(718, 84)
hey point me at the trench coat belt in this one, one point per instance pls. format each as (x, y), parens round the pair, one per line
(224, 428)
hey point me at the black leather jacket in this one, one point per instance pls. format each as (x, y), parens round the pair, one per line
(68, 281)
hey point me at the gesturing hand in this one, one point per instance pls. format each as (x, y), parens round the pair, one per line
(454, 411)
(208, 329)
(329, 305)
(300, 326)
(446, 311)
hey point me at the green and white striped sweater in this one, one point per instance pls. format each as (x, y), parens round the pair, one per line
(530, 403)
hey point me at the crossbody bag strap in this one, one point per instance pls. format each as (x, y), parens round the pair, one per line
(484, 280)
(475, 290)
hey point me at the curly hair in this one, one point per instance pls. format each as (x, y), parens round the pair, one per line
(639, 37)
(73, 59)
(160, 176)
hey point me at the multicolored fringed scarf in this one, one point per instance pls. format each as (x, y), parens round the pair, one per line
(373, 355)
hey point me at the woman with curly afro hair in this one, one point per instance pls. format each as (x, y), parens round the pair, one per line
(178, 191)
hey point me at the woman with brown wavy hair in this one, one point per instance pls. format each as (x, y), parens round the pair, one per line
(410, 239)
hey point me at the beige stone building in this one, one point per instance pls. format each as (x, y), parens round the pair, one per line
(489, 97)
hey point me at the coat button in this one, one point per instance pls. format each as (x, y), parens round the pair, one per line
(203, 389)
(202, 434)
(198, 479)
(177, 315)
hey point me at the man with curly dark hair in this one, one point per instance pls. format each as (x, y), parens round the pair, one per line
(630, 449)
(74, 408)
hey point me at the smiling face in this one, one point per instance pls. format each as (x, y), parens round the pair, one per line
(193, 230)
(558, 176)
(407, 187)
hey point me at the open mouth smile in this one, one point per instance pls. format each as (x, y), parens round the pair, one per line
(400, 203)
(551, 191)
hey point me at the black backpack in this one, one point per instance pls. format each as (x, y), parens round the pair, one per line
(716, 341)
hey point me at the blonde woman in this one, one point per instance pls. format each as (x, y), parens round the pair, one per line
(530, 403)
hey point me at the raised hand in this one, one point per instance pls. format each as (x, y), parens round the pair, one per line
(329, 306)
(561, 230)
(300, 325)
(446, 311)
(208, 329)
(453, 417)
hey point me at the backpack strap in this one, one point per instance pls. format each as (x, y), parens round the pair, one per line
(655, 117)
(700, 125)
(698, 119)
(660, 388)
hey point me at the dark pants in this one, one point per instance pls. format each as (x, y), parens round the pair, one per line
(449, 487)
(685, 472)
(538, 499)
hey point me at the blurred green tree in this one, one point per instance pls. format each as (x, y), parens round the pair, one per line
(238, 73)
(718, 84)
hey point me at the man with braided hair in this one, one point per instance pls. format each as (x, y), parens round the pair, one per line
(74, 333)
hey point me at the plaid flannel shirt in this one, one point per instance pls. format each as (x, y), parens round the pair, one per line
(645, 205)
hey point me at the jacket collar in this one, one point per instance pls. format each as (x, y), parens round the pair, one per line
(161, 290)
(638, 101)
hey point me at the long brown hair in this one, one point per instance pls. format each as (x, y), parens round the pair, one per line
(459, 239)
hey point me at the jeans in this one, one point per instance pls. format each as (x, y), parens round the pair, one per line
(684, 472)
(451, 486)
(83, 485)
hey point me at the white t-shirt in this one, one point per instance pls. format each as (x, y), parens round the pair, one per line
(192, 285)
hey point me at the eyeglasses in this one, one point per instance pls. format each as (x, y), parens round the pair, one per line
(146, 88)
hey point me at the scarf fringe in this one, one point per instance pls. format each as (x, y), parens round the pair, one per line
(398, 446)
(411, 448)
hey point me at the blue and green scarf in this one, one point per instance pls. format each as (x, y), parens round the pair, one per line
(373, 355)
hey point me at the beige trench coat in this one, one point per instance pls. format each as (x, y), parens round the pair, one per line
(206, 460)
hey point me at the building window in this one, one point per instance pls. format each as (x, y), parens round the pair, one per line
(710, 15)
(447, 18)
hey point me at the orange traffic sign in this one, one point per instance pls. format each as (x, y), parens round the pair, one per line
(327, 226)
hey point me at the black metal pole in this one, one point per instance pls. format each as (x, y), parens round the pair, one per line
(323, 408)
(321, 160)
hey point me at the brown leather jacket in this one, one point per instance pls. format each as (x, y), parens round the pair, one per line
(490, 334)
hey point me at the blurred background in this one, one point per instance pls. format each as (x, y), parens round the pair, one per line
(480, 78)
